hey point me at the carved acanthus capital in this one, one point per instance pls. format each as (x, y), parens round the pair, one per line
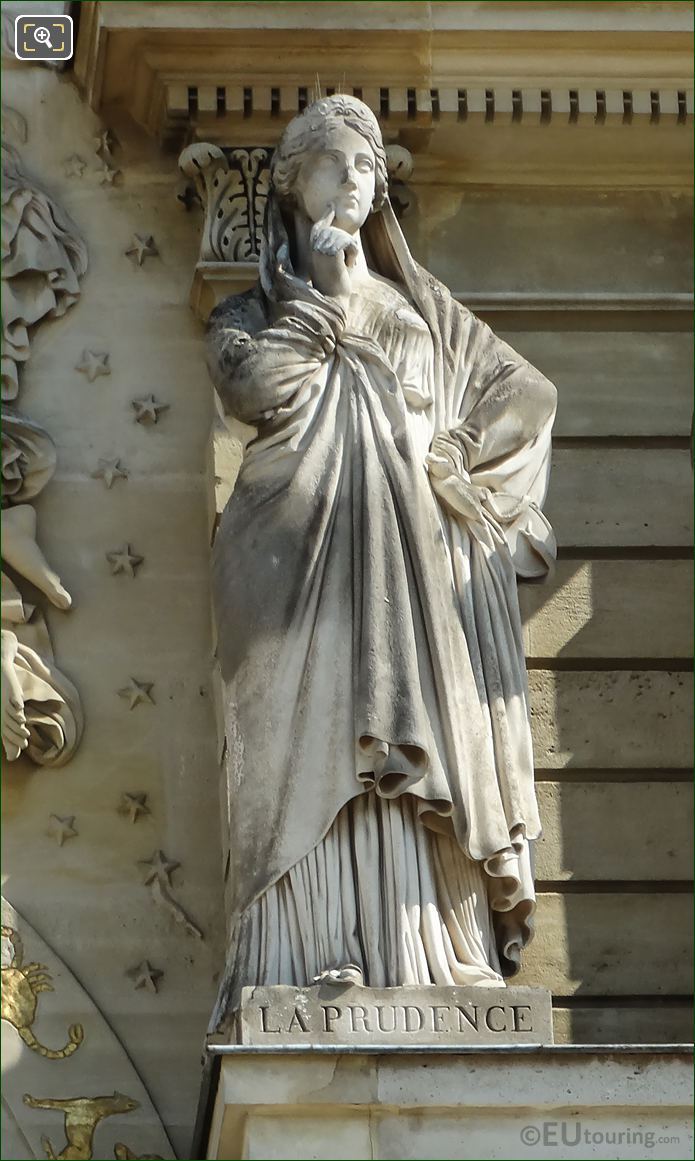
(233, 187)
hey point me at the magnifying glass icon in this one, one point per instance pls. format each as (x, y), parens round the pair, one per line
(43, 36)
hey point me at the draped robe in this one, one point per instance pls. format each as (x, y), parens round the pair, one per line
(369, 637)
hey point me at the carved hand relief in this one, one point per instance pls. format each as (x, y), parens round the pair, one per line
(44, 258)
(379, 763)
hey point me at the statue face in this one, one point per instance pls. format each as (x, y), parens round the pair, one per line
(341, 174)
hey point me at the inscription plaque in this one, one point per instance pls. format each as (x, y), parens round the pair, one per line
(326, 1014)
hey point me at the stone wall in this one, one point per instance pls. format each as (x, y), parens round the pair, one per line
(594, 284)
(87, 898)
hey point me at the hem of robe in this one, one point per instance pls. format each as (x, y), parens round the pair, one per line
(506, 874)
(437, 814)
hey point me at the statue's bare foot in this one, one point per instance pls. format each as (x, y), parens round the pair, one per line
(350, 973)
(15, 735)
(22, 553)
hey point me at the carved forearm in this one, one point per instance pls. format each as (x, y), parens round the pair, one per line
(255, 374)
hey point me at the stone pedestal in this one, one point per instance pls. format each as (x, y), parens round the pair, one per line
(559, 1102)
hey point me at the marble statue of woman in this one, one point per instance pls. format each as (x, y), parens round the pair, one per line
(379, 765)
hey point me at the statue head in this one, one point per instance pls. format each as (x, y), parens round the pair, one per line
(332, 155)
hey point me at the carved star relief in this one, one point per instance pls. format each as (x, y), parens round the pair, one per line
(142, 247)
(93, 364)
(61, 828)
(133, 805)
(74, 166)
(104, 143)
(137, 692)
(110, 470)
(107, 173)
(147, 410)
(158, 869)
(145, 976)
(123, 560)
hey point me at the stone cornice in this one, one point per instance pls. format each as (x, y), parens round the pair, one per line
(181, 82)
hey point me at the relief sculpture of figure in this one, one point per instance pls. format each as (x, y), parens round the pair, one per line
(41, 709)
(43, 259)
(379, 763)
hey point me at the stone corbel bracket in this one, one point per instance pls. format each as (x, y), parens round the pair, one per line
(232, 186)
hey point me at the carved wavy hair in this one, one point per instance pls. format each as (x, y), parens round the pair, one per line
(307, 134)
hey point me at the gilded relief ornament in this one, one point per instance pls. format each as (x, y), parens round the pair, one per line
(81, 1117)
(122, 1153)
(21, 986)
